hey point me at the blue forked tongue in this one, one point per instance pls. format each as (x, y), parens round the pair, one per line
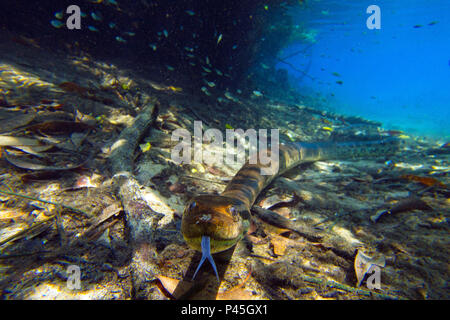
(206, 254)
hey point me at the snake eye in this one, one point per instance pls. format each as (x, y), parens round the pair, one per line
(234, 213)
(192, 205)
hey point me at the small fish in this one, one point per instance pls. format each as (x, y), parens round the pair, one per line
(145, 147)
(266, 7)
(220, 72)
(129, 33)
(153, 46)
(335, 74)
(190, 55)
(239, 91)
(57, 24)
(189, 49)
(227, 126)
(93, 29)
(166, 34)
(190, 12)
(170, 68)
(112, 25)
(234, 47)
(340, 82)
(327, 128)
(418, 26)
(175, 89)
(113, 2)
(265, 66)
(393, 132)
(432, 23)
(206, 69)
(219, 39)
(97, 16)
(83, 14)
(120, 39)
(59, 15)
(257, 93)
(205, 91)
(207, 61)
(210, 83)
(229, 96)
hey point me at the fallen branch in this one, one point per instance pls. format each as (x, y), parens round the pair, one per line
(140, 218)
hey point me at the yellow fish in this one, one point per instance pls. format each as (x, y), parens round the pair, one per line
(327, 128)
(145, 147)
(175, 89)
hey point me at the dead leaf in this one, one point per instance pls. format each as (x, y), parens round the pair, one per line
(34, 164)
(34, 150)
(58, 127)
(279, 245)
(16, 122)
(169, 284)
(8, 141)
(174, 288)
(111, 210)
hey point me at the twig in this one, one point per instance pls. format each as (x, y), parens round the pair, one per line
(298, 70)
(340, 286)
(33, 227)
(206, 180)
(197, 115)
(47, 201)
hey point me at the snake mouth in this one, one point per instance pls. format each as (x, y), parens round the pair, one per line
(216, 244)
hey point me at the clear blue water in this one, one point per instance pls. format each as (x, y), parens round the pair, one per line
(398, 75)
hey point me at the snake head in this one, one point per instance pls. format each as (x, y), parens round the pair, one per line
(224, 220)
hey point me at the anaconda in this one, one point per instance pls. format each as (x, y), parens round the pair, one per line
(214, 223)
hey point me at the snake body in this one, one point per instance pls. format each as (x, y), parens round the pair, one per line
(214, 223)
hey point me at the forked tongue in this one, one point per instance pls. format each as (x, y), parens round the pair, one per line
(206, 254)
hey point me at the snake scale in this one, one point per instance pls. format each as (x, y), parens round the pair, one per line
(214, 223)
